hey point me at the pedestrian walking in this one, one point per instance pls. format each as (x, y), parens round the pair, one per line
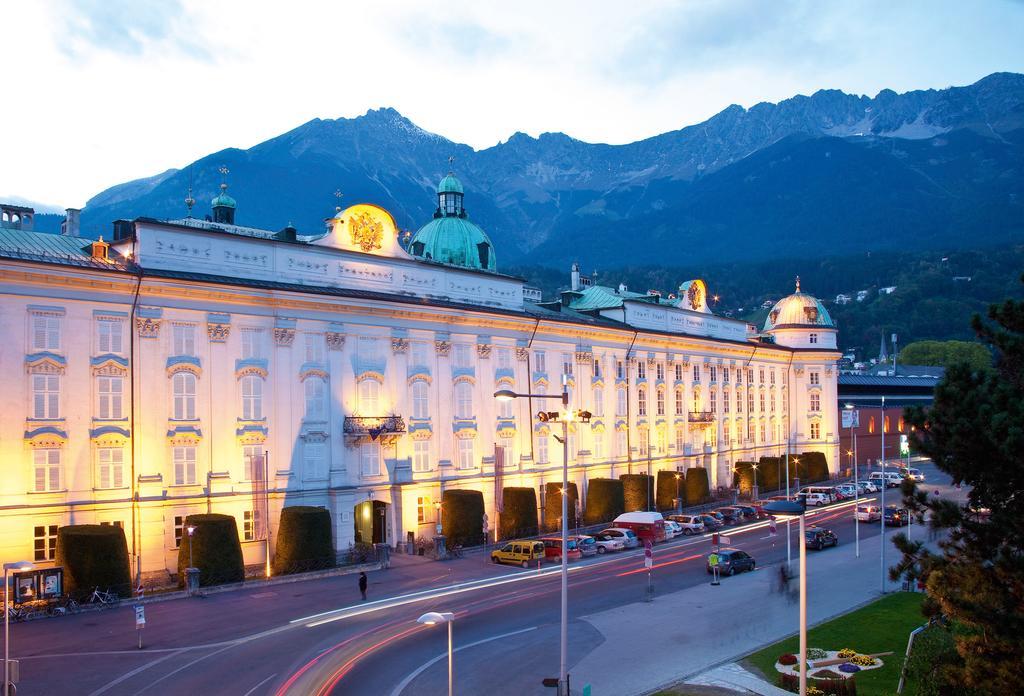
(362, 584)
(783, 580)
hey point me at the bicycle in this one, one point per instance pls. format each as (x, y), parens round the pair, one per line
(456, 551)
(107, 598)
(63, 605)
(16, 612)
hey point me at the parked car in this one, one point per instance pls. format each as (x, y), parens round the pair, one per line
(730, 515)
(867, 487)
(648, 526)
(628, 536)
(672, 529)
(818, 538)
(690, 524)
(815, 499)
(868, 513)
(716, 514)
(731, 561)
(891, 479)
(605, 543)
(828, 491)
(896, 516)
(749, 511)
(846, 490)
(711, 523)
(553, 548)
(912, 473)
(522, 553)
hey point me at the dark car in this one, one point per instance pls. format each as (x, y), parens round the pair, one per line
(817, 538)
(749, 511)
(730, 515)
(896, 516)
(711, 523)
(731, 561)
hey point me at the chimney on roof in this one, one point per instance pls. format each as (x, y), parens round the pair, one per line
(71, 227)
(623, 289)
(99, 250)
(575, 276)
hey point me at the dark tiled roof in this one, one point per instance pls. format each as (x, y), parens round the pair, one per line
(881, 381)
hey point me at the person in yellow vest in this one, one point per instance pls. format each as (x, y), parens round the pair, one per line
(713, 562)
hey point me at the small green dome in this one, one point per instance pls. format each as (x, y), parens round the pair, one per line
(450, 184)
(222, 199)
(455, 241)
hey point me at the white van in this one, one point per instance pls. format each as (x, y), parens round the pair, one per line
(892, 479)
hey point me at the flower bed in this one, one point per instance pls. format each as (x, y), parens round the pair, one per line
(856, 662)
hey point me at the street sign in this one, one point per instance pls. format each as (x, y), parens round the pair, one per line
(140, 616)
(586, 690)
(648, 555)
(723, 539)
(851, 418)
(550, 682)
(904, 445)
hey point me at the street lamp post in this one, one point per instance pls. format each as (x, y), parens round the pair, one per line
(790, 509)
(754, 494)
(437, 508)
(885, 484)
(856, 488)
(191, 531)
(504, 395)
(431, 618)
(679, 500)
(18, 566)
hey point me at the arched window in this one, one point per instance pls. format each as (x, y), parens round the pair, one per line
(252, 397)
(679, 402)
(184, 387)
(463, 400)
(641, 401)
(886, 425)
(871, 424)
(420, 399)
(369, 398)
(316, 398)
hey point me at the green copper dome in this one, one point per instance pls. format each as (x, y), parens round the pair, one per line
(223, 199)
(450, 184)
(456, 241)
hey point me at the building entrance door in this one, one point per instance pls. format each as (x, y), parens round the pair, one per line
(371, 522)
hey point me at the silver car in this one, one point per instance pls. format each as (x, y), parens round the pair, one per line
(691, 524)
(628, 536)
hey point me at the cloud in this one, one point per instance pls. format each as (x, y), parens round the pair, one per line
(129, 27)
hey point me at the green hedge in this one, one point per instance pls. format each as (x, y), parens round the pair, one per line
(698, 487)
(770, 474)
(93, 555)
(304, 540)
(216, 551)
(637, 490)
(668, 489)
(605, 500)
(553, 506)
(462, 517)
(743, 477)
(519, 518)
(813, 467)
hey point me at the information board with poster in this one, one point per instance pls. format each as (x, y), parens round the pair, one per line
(40, 583)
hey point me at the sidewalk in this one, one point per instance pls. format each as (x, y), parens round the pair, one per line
(649, 646)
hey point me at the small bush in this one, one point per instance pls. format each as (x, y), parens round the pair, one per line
(698, 487)
(787, 659)
(215, 550)
(605, 500)
(93, 555)
(668, 487)
(553, 506)
(304, 540)
(519, 518)
(637, 490)
(462, 517)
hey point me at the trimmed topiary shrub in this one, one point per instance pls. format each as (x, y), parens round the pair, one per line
(215, 550)
(553, 506)
(304, 541)
(605, 500)
(698, 487)
(813, 467)
(519, 518)
(768, 471)
(638, 491)
(743, 477)
(668, 489)
(462, 517)
(93, 555)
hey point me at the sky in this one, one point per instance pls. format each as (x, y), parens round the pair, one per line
(98, 92)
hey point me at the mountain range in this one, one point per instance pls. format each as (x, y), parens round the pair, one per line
(827, 173)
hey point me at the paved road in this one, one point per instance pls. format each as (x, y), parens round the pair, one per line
(315, 637)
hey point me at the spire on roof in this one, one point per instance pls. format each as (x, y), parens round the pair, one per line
(798, 283)
(882, 355)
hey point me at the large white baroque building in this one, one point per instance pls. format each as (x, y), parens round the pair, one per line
(160, 376)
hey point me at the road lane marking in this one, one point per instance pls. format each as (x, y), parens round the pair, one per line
(128, 675)
(427, 665)
(251, 691)
(183, 667)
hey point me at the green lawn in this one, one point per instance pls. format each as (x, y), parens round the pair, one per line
(881, 626)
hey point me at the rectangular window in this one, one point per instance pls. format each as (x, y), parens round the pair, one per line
(621, 449)
(45, 332)
(179, 529)
(815, 430)
(714, 401)
(714, 373)
(679, 372)
(814, 378)
(641, 402)
(184, 465)
(420, 399)
(620, 402)
(679, 402)
(109, 336)
(45, 542)
(316, 398)
(661, 402)
(504, 358)
(463, 400)
(696, 373)
(316, 461)
(110, 392)
(368, 350)
(680, 441)
(725, 401)
(505, 409)
(760, 376)
(761, 429)
(815, 402)
(599, 402)
(725, 374)
(421, 455)
(314, 344)
(660, 371)
(419, 354)
(462, 355)
(46, 396)
(249, 526)
(773, 402)
(252, 460)
(542, 449)
(183, 336)
(771, 377)
(252, 397)
(643, 444)
(597, 368)
(750, 401)
(540, 364)
(369, 459)
(252, 344)
(641, 369)
(465, 452)
(762, 402)
(111, 467)
(567, 364)
(422, 509)
(184, 387)
(113, 523)
(598, 447)
(46, 469)
(725, 434)
(620, 370)
(739, 400)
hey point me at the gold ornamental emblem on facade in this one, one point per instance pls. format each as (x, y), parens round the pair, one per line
(696, 295)
(367, 232)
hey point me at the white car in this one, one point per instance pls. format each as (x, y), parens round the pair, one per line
(848, 490)
(672, 529)
(867, 487)
(912, 473)
(868, 513)
(608, 543)
(690, 524)
(815, 499)
(627, 536)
